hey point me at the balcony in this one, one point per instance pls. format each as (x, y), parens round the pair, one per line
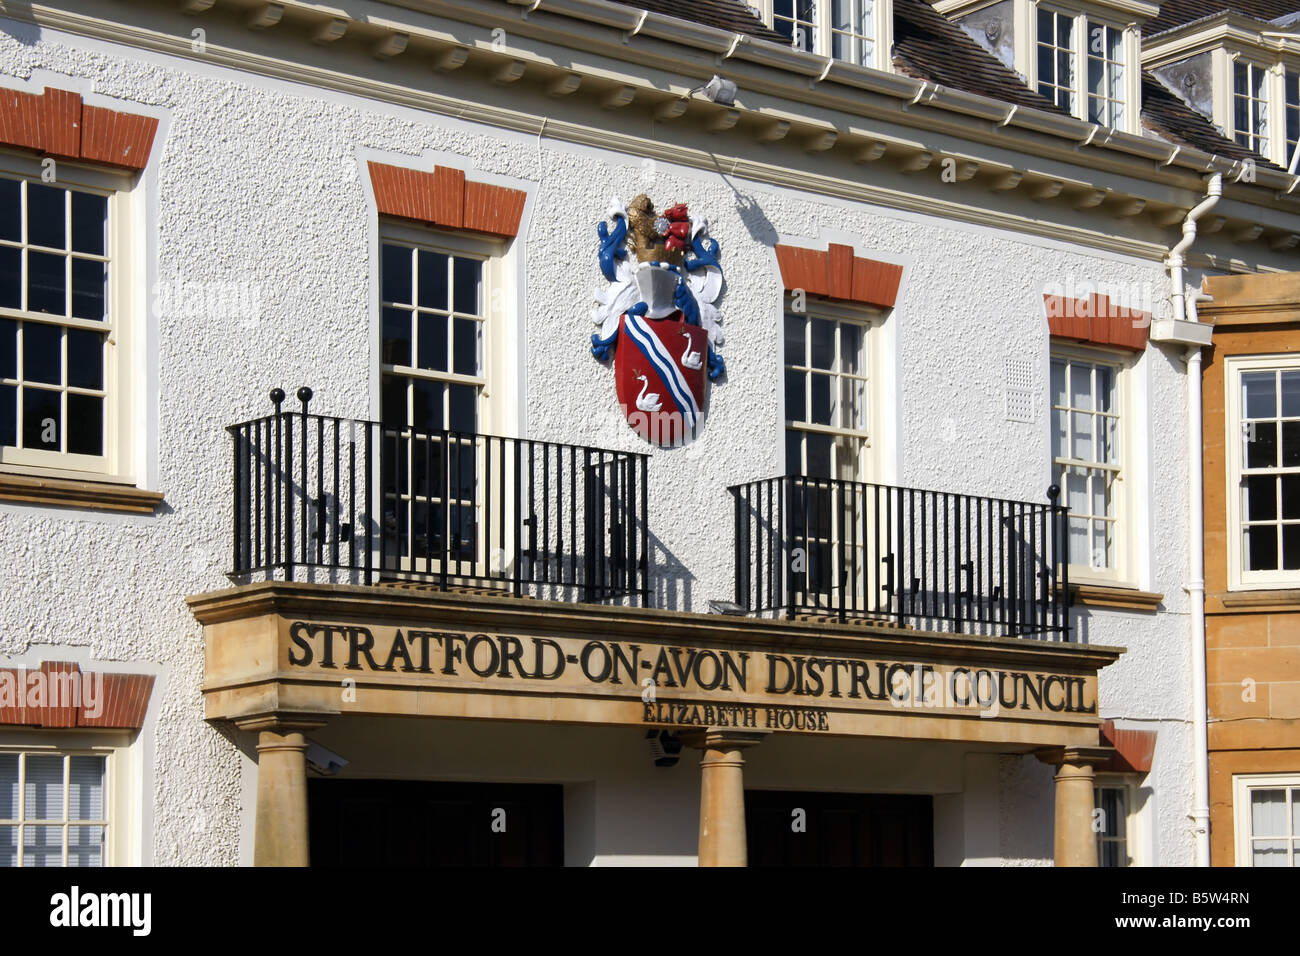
(326, 499)
(849, 550)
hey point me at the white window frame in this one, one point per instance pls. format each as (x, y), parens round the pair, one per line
(123, 305)
(494, 413)
(1242, 785)
(1238, 578)
(1124, 566)
(870, 320)
(1268, 101)
(1133, 831)
(1084, 16)
(120, 833)
(882, 21)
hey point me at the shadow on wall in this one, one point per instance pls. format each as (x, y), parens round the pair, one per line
(28, 34)
(671, 584)
(753, 218)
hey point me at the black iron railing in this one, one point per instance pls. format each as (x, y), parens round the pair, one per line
(847, 549)
(321, 497)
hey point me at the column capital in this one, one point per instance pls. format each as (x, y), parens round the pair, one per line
(282, 723)
(1074, 756)
(721, 738)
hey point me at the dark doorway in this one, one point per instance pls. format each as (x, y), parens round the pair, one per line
(839, 829)
(427, 823)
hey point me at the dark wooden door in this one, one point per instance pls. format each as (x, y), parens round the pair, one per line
(839, 829)
(428, 823)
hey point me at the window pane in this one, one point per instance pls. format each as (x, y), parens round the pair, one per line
(426, 408)
(395, 270)
(1058, 432)
(1259, 394)
(820, 413)
(1081, 386)
(392, 407)
(10, 210)
(85, 425)
(85, 846)
(433, 279)
(10, 277)
(818, 449)
(42, 846)
(466, 274)
(1261, 548)
(397, 337)
(794, 345)
(795, 405)
(1291, 497)
(462, 408)
(1261, 498)
(89, 223)
(85, 359)
(1081, 440)
(433, 342)
(1295, 812)
(1269, 853)
(8, 348)
(1261, 446)
(86, 788)
(1291, 394)
(823, 343)
(465, 349)
(1290, 547)
(8, 786)
(1290, 444)
(46, 283)
(46, 216)
(42, 353)
(44, 787)
(1045, 26)
(89, 280)
(41, 419)
(9, 415)
(851, 349)
(793, 452)
(8, 846)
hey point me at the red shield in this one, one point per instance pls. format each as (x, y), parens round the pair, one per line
(659, 371)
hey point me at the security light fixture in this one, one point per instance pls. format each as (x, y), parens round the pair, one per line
(665, 749)
(725, 607)
(718, 90)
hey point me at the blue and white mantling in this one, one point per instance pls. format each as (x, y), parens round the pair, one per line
(699, 284)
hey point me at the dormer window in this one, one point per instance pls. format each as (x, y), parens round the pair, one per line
(1065, 39)
(1241, 74)
(1081, 55)
(1250, 106)
(849, 30)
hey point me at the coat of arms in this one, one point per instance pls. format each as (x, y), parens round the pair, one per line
(657, 317)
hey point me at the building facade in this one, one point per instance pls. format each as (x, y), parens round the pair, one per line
(1251, 625)
(321, 506)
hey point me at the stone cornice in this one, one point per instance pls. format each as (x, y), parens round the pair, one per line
(478, 611)
(1083, 155)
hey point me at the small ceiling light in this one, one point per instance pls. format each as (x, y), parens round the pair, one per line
(718, 90)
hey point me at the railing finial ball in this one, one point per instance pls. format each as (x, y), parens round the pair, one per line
(277, 396)
(304, 394)
(1053, 492)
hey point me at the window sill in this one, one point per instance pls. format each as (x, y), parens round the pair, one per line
(1096, 595)
(96, 495)
(1280, 599)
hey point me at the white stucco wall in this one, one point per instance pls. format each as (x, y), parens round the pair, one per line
(260, 181)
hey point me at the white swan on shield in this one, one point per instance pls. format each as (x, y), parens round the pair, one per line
(691, 360)
(647, 403)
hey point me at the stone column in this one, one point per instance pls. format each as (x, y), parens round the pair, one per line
(1076, 840)
(280, 835)
(722, 793)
